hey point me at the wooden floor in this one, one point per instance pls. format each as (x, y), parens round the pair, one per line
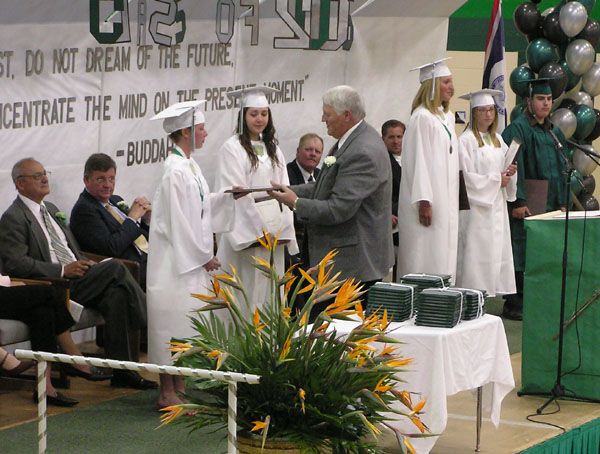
(515, 433)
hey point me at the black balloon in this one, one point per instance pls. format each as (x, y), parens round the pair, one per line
(591, 32)
(596, 131)
(536, 1)
(589, 184)
(572, 78)
(588, 202)
(552, 30)
(567, 103)
(527, 18)
(559, 79)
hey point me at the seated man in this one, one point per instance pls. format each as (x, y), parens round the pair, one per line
(34, 243)
(103, 224)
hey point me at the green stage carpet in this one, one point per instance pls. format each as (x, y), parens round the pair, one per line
(122, 426)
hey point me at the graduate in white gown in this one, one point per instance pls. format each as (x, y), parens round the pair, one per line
(185, 214)
(485, 259)
(251, 158)
(428, 201)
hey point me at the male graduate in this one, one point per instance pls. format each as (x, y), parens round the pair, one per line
(103, 223)
(539, 158)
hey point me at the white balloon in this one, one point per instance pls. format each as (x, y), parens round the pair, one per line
(579, 55)
(581, 97)
(591, 80)
(547, 11)
(583, 163)
(566, 121)
(572, 18)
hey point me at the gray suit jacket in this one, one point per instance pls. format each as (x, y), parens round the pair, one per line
(349, 206)
(23, 245)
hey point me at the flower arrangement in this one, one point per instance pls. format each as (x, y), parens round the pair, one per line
(122, 205)
(61, 218)
(319, 391)
(329, 161)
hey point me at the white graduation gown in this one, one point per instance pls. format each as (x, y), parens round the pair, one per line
(235, 169)
(181, 242)
(429, 172)
(485, 260)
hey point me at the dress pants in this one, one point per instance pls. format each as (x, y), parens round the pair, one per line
(109, 288)
(41, 308)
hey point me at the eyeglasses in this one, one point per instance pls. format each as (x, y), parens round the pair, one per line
(485, 109)
(104, 180)
(37, 176)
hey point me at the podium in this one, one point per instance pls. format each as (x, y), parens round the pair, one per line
(541, 311)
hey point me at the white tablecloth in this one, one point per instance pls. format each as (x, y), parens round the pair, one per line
(446, 361)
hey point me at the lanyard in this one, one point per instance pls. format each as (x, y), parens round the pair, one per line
(447, 130)
(177, 152)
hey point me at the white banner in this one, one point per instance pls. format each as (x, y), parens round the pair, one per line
(81, 77)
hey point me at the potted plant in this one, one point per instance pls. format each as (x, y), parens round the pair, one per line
(317, 392)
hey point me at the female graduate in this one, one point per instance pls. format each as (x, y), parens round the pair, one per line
(428, 201)
(252, 159)
(181, 254)
(485, 259)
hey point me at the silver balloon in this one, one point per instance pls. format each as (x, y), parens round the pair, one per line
(547, 11)
(572, 18)
(579, 55)
(584, 163)
(581, 97)
(591, 80)
(566, 121)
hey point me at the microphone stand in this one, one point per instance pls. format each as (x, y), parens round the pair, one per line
(558, 390)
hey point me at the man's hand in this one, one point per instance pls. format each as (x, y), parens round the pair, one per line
(283, 194)
(394, 220)
(78, 268)
(139, 208)
(212, 264)
(520, 213)
(425, 213)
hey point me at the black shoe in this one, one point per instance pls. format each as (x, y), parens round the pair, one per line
(131, 379)
(512, 314)
(60, 400)
(95, 374)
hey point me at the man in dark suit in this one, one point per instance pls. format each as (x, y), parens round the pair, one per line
(349, 206)
(392, 132)
(103, 223)
(34, 242)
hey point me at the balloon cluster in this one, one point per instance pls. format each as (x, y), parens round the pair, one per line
(562, 47)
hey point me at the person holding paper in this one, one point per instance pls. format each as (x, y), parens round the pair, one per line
(538, 159)
(181, 255)
(485, 260)
(251, 159)
(428, 201)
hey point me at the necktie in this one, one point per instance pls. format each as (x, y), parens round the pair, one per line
(62, 252)
(333, 149)
(310, 179)
(140, 241)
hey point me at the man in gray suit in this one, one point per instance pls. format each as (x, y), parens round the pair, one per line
(348, 208)
(35, 242)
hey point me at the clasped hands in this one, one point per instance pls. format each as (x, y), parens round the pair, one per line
(141, 209)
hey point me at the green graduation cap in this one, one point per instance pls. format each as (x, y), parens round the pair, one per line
(539, 86)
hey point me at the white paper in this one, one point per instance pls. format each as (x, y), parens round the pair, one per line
(4, 281)
(509, 157)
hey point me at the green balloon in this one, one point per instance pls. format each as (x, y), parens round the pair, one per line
(539, 52)
(572, 79)
(586, 120)
(576, 182)
(517, 79)
(516, 111)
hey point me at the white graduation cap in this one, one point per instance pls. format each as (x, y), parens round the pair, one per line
(432, 70)
(181, 115)
(253, 96)
(482, 97)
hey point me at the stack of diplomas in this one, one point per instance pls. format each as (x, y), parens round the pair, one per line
(473, 303)
(423, 281)
(439, 307)
(397, 299)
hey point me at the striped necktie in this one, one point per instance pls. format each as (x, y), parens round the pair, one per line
(140, 241)
(62, 252)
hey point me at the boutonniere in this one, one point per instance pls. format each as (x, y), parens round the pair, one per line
(329, 161)
(122, 205)
(61, 218)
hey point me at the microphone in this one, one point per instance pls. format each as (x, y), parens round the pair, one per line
(586, 148)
